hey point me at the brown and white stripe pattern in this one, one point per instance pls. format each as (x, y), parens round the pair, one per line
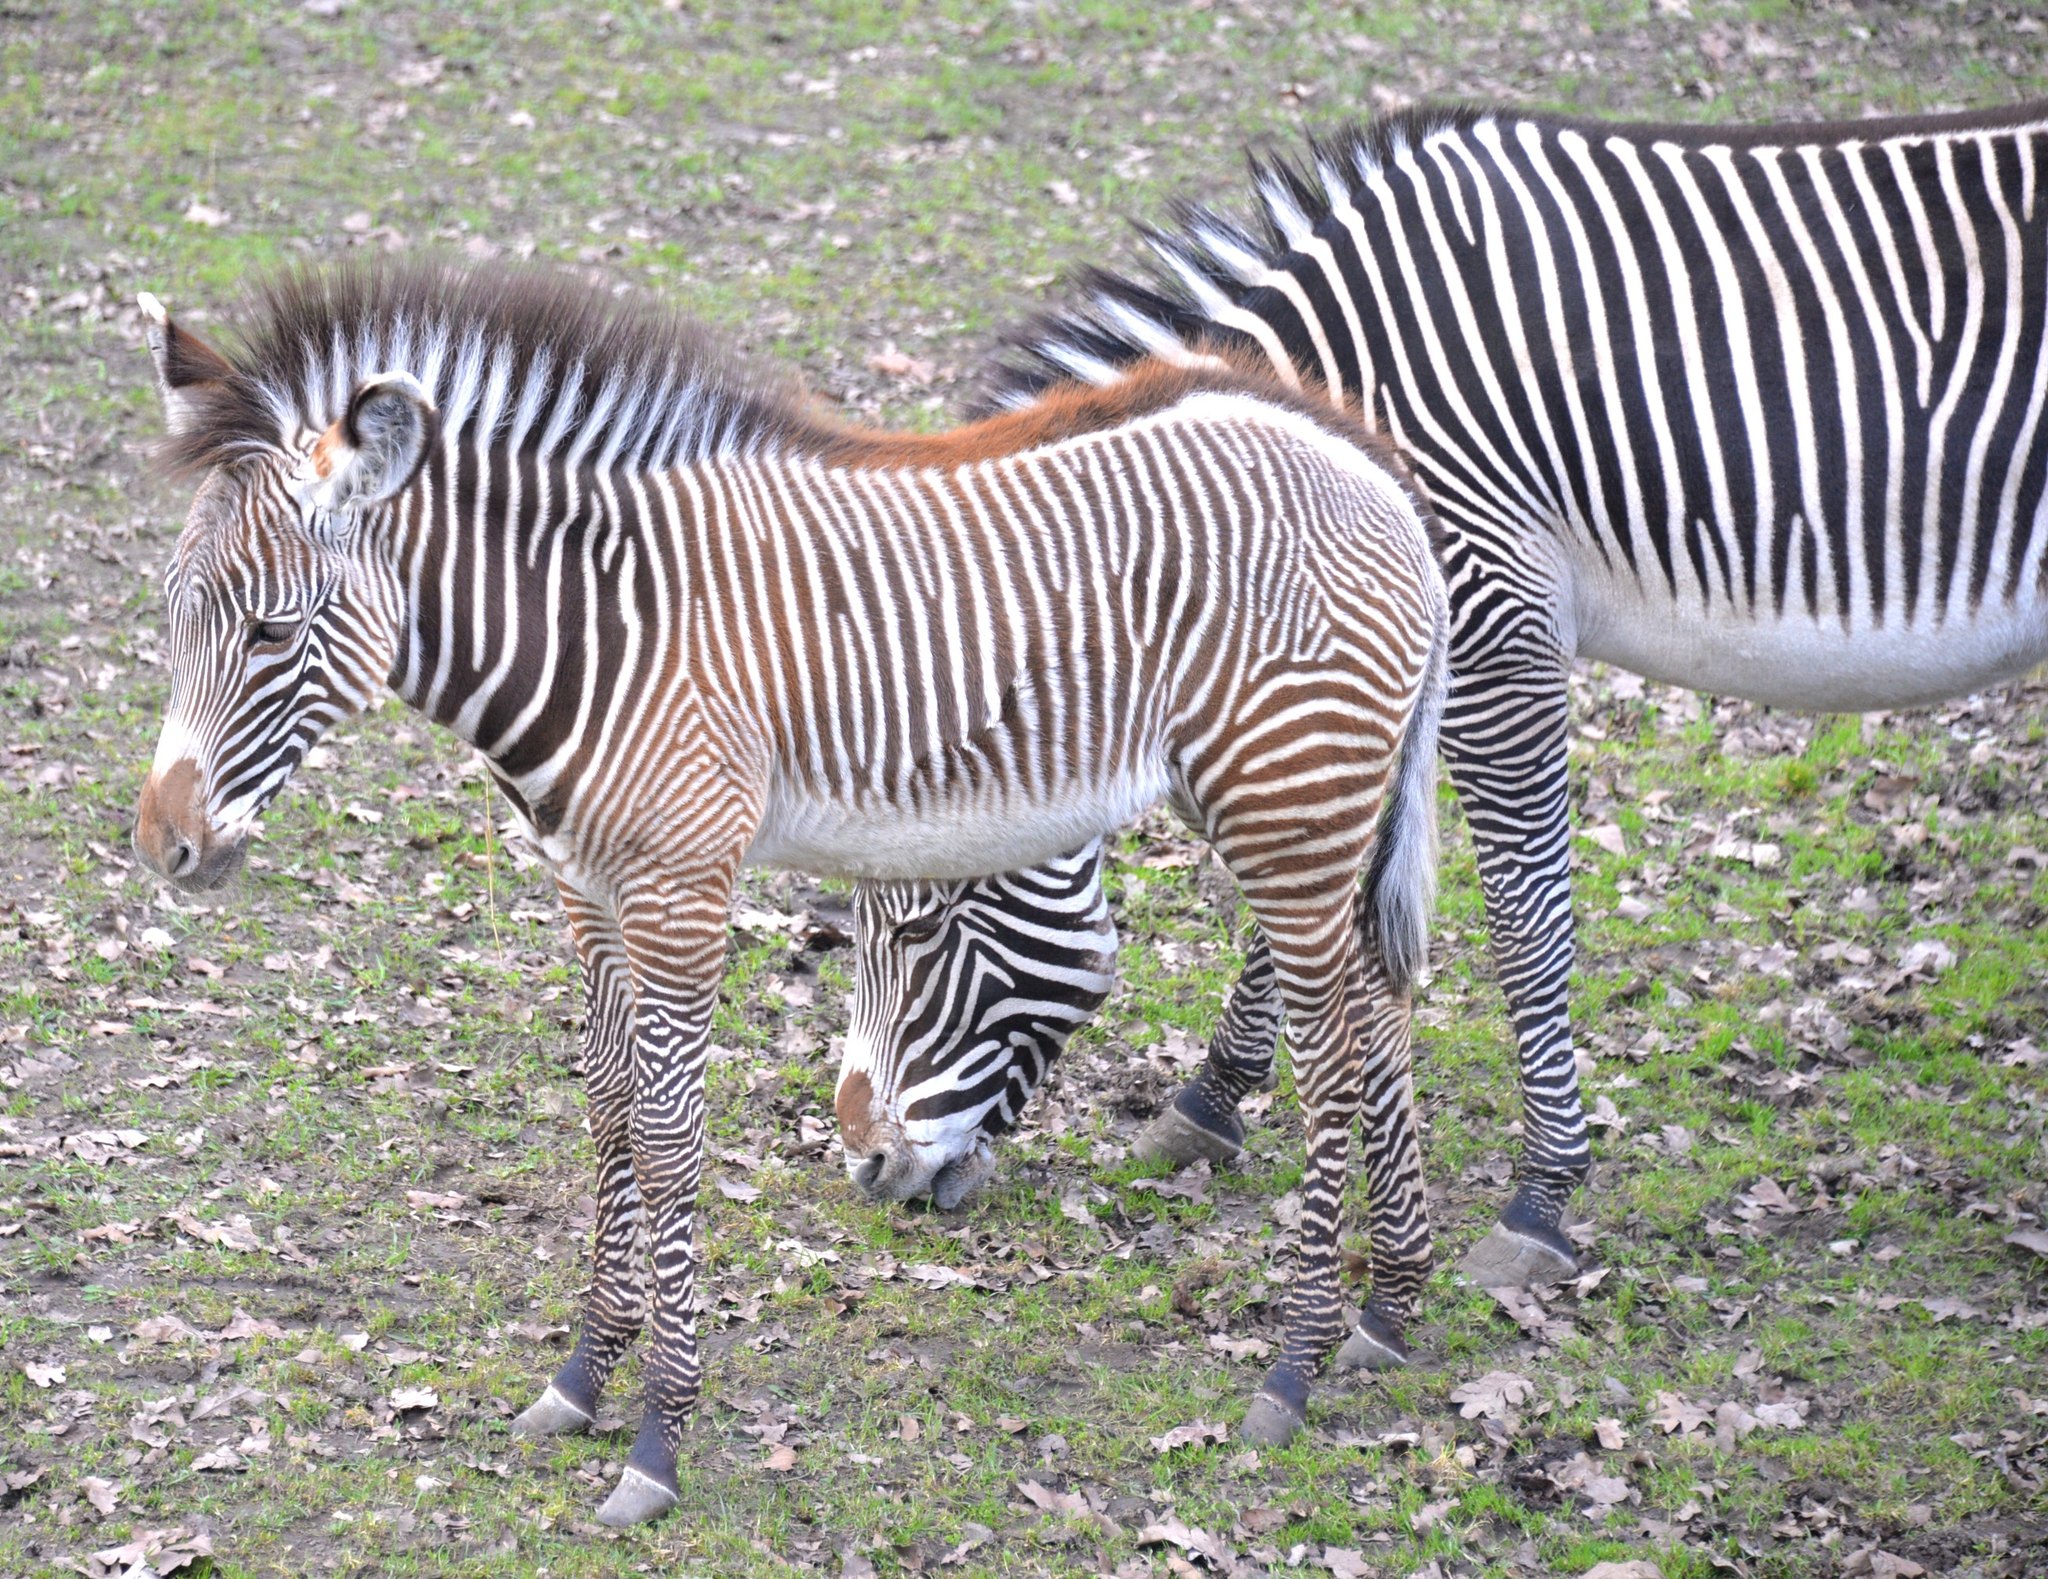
(691, 625)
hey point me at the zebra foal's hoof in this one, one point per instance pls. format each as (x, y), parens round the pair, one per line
(1175, 1138)
(551, 1414)
(637, 1498)
(1372, 1346)
(1270, 1422)
(1517, 1258)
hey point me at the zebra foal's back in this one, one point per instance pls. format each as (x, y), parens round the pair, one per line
(982, 660)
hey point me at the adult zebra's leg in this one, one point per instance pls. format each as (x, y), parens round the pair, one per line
(1202, 1120)
(618, 1286)
(1504, 739)
(675, 940)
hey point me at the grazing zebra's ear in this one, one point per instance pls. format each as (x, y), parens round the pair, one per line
(186, 366)
(375, 449)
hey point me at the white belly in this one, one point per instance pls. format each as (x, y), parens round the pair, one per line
(1793, 661)
(962, 838)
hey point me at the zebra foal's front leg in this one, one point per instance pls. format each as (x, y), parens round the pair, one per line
(618, 1284)
(677, 950)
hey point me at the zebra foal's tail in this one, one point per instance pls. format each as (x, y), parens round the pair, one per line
(1399, 895)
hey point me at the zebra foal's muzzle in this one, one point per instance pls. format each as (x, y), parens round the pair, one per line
(175, 837)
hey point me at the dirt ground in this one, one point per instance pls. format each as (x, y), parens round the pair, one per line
(293, 1183)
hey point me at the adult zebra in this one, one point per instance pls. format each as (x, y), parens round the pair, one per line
(690, 624)
(1757, 411)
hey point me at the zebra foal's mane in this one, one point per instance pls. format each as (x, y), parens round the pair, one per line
(613, 379)
(588, 378)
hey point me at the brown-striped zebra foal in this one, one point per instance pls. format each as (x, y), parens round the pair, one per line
(691, 625)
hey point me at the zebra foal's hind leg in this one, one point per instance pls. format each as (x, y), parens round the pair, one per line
(1202, 1121)
(618, 1286)
(1349, 1035)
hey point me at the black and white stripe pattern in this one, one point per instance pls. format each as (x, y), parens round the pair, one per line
(691, 625)
(1758, 411)
(964, 993)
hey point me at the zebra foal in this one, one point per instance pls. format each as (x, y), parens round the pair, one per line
(1757, 410)
(690, 626)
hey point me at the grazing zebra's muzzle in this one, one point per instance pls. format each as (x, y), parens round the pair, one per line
(964, 993)
(887, 1164)
(175, 837)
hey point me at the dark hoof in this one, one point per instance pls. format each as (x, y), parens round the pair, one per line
(1270, 1422)
(1372, 1346)
(637, 1498)
(551, 1414)
(1175, 1138)
(1520, 1258)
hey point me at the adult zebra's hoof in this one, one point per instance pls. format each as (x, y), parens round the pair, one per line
(1270, 1422)
(1520, 1258)
(637, 1498)
(1372, 1346)
(551, 1414)
(1175, 1138)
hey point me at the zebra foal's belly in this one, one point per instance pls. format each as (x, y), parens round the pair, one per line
(1808, 664)
(948, 834)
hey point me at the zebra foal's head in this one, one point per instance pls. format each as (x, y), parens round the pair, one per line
(964, 993)
(281, 622)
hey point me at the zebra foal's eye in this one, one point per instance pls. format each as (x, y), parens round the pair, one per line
(270, 633)
(920, 929)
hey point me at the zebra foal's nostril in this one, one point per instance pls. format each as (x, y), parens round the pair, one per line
(869, 1173)
(182, 856)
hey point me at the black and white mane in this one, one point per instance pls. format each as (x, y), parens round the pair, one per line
(574, 372)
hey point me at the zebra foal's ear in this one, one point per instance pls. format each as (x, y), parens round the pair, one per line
(377, 446)
(186, 366)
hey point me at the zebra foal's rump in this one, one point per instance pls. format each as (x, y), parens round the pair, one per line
(1754, 410)
(690, 624)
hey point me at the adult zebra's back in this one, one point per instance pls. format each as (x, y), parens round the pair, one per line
(1757, 411)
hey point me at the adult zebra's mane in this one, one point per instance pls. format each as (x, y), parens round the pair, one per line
(1205, 263)
(608, 379)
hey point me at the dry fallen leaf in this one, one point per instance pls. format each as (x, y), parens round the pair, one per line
(1492, 1395)
(1673, 1415)
(781, 1459)
(101, 1493)
(406, 1398)
(1189, 1435)
(2030, 1239)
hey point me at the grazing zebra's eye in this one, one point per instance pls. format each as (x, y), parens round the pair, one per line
(920, 929)
(271, 633)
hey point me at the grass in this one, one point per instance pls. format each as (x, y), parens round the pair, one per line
(270, 1113)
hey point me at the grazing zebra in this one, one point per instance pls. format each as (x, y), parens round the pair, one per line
(1026, 958)
(690, 625)
(1757, 411)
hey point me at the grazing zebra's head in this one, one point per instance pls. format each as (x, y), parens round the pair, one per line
(281, 621)
(965, 992)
